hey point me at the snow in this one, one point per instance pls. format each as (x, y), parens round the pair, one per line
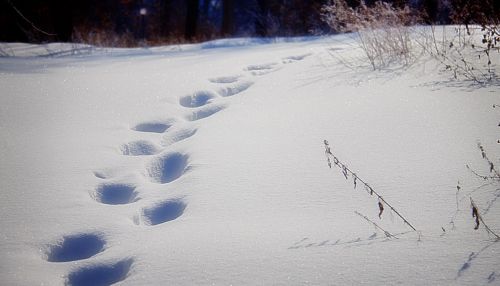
(204, 164)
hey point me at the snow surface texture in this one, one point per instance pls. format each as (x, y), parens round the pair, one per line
(204, 164)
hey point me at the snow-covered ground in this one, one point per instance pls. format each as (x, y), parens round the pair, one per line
(205, 165)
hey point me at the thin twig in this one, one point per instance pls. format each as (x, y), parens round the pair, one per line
(481, 176)
(27, 20)
(346, 171)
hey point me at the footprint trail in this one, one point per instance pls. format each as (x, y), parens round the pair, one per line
(161, 166)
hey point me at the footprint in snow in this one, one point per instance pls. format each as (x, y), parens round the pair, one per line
(177, 135)
(139, 148)
(100, 274)
(153, 126)
(167, 168)
(235, 88)
(115, 193)
(205, 112)
(292, 59)
(75, 247)
(197, 99)
(225, 79)
(161, 212)
(262, 69)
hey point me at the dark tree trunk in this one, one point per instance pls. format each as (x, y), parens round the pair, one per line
(205, 7)
(227, 17)
(191, 19)
(261, 18)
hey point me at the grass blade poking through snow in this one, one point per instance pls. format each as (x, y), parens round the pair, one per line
(479, 218)
(346, 172)
(492, 179)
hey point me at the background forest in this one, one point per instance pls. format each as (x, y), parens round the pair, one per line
(133, 22)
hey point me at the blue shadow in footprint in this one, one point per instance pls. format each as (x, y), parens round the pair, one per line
(154, 127)
(115, 194)
(163, 212)
(100, 275)
(76, 247)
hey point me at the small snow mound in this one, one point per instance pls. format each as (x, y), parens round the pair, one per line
(102, 274)
(197, 99)
(153, 126)
(205, 112)
(167, 168)
(225, 79)
(138, 148)
(177, 136)
(236, 88)
(163, 212)
(115, 194)
(75, 247)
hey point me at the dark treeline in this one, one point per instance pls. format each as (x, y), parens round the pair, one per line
(167, 21)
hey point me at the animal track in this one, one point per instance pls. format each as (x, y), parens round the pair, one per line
(292, 59)
(262, 69)
(161, 169)
(163, 212)
(167, 168)
(235, 88)
(225, 79)
(197, 99)
(177, 136)
(115, 194)
(152, 126)
(100, 275)
(76, 247)
(138, 148)
(205, 112)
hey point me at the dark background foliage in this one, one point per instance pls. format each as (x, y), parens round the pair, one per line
(168, 21)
